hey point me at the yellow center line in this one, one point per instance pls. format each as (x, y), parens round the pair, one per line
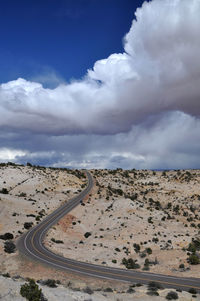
(92, 269)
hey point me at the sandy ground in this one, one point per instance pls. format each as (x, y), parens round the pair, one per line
(155, 211)
(10, 290)
(33, 193)
(124, 208)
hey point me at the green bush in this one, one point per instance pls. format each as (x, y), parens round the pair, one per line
(88, 290)
(22, 195)
(50, 282)
(28, 225)
(149, 251)
(130, 263)
(31, 291)
(108, 290)
(57, 241)
(7, 236)
(136, 247)
(4, 191)
(181, 266)
(152, 293)
(154, 286)
(192, 291)
(9, 247)
(193, 259)
(146, 265)
(6, 275)
(192, 248)
(172, 296)
(150, 220)
(87, 234)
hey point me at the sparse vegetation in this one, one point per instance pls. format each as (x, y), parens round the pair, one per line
(172, 296)
(130, 263)
(28, 225)
(87, 234)
(136, 214)
(9, 247)
(4, 191)
(7, 236)
(31, 291)
(57, 241)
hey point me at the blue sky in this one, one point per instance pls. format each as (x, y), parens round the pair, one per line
(100, 83)
(64, 37)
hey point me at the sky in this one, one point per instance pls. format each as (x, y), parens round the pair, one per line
(53, 41)
(100, 84)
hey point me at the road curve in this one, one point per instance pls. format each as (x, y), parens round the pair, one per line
(31, 245)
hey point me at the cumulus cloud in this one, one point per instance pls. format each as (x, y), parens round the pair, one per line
(148, 93)
(9, 154)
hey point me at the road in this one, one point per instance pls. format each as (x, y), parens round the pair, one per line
(31, 245)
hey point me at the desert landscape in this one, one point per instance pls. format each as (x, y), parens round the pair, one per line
(132, 219)
(99, 150)
(151, 217)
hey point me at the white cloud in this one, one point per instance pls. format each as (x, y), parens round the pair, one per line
(9, 154)
(150, 93)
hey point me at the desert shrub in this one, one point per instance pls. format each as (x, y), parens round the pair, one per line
(9, 247)
(181, 266)
(57, 241)
(192, 291)
(88, 290)
(154, 286)
(143, 254)
(172, 296)
(193, 259)
(6, 275)
(130, 263)
(133, 197)
(4, 191)
(108, 290)
(31, 291)
(196, 243)
(152, 293)
(130, 290)
(149, 251)
(7, 236)
(169, 205)
(150, 220)
(193, 247)
(146, 265)
(28, 225)
(22, 195)
(50, 282)
(136, 247)
(87, 234)
(155, 239)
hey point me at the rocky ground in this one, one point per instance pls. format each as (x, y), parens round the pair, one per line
(27, 195)
(10, 290)
(148, 217)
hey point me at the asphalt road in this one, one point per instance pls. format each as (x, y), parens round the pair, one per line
(31, 245)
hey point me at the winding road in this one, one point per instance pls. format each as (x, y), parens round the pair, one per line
(31, 245)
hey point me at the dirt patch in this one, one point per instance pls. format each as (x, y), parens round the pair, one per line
(66, 222)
